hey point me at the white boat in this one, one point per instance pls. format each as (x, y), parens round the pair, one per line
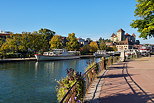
(100, 53)
(58, 54)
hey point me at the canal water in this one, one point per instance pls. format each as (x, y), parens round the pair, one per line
(35, 82)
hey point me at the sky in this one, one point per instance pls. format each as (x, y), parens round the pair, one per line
(86, 18)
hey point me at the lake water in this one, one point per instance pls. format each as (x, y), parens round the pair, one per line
(34, 82)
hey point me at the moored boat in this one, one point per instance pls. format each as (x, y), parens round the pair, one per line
(100, 53)
(58, 54)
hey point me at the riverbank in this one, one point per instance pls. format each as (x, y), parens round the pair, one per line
(17, 59)
(34, 59)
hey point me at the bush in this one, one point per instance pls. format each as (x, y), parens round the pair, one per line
(66, 83)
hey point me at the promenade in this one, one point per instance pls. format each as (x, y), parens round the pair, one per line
(125, 82)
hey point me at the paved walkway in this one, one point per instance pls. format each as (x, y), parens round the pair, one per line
(128, 82)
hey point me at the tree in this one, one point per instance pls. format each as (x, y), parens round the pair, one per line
(88, 40)
(1, 41)
(107, 40)
(36, 42)
(56, 42)
(23, 43)
(145, 24)
(102, 46)
(114, 48)
(47, 32)
(12, 44)
(94, 47)
(100, 40)
(85, 49)
(72, 43)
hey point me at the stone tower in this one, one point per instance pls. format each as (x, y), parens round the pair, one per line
(121, 35)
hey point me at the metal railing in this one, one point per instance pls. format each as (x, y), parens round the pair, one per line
(89, 76)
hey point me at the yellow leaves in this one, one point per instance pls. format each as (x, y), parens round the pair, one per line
(72, 43)
(145, 30)
(56, 42)
(148, 29)
(94, 47)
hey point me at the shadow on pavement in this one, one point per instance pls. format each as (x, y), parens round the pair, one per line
(117, 67)
(114, 76)
(124, 98)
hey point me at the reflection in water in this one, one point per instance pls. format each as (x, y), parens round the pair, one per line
(31, 82)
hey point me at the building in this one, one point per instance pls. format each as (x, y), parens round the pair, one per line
(121, 36)
(124, 45)
(4, 34)
(109, 44)
(124, 40)
(82, 42)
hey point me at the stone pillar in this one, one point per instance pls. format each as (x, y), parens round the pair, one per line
(122, 56)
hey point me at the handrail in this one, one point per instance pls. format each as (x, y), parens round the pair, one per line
(68, 92)
(89, 75)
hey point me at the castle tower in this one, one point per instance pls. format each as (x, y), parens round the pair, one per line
(121, 35)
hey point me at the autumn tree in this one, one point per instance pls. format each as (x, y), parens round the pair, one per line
(93, 47)
(56, 42)
(72, 43)
(85, 49)
(145, 23)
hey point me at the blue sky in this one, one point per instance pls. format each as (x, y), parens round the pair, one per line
(86, 18)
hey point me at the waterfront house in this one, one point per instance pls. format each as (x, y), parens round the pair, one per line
(82, 42)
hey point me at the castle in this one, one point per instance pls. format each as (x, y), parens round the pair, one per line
(124, 41)
(121, 36)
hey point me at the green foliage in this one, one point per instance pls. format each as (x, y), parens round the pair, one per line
(27, 42)
(114, 48)
(66, 83)
(89, 40)
(24, 43)
(47, 32)
(72, 43)
(93, 65)
(107, 40)
(144, 11)
(1, 41)
(100, 40)
(56, 42)
(11, 44)
(102, 46)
